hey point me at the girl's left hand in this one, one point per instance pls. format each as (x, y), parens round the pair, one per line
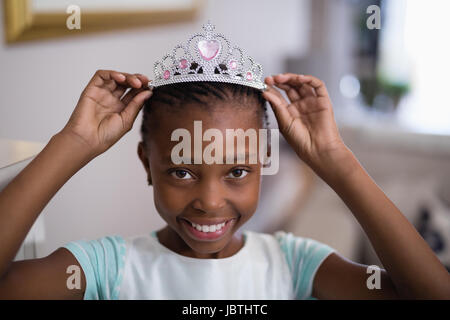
(306, 121)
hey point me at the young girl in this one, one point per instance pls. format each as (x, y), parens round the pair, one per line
(200, 254)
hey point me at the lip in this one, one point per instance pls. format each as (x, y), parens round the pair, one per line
(208, 221)
(207, 236)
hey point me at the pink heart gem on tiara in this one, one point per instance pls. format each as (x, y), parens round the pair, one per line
(166, 74)
(233, 64)
(208, 49)
(249, 76)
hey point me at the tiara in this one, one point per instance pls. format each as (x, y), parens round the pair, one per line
(208, 56)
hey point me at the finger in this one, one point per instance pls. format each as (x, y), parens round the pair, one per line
(279, 106)
(291, 107)
(110, 85)
(107, 79)
(307, 91)
(269, 81)
(299, 79)
(131, 94)
(291, 80)
(134, 81)
(288, 78)
(131, 111)
(127, 79)
(144, 79)
(118, 76)
(291, 92)
(316, 83)
(99, 78)
(120, 90)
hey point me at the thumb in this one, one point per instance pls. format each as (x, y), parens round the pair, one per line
(130, 112)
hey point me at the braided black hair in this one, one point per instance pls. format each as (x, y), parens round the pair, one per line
(175, 96)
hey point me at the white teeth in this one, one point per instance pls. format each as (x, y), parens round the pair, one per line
(208, 228)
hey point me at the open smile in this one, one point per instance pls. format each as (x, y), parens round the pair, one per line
(207, 231)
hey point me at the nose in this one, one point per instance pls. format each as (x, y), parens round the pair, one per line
(211, 197)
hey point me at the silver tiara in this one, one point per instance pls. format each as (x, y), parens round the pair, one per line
(208, 56)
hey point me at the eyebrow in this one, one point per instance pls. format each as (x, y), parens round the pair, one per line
(186, 160)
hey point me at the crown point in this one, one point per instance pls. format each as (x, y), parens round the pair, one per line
(208, 27)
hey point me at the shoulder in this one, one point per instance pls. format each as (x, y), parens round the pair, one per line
(106, 243)
(303, 256)
(102, 261)
(108, 249)
(290, 243)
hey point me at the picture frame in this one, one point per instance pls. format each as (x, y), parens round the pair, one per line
(24, 23)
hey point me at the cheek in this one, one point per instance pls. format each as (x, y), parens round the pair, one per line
(167, 200)
(246, 199)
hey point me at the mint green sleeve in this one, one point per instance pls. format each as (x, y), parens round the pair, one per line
(102, 261)
(304, 257)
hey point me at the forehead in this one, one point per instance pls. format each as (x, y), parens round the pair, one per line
(198, 122)
(220, 116)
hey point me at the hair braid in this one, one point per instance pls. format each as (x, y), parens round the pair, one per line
(201, 93)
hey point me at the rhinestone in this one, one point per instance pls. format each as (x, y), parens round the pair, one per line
(233, 64)
(166, 74)
(183, 64)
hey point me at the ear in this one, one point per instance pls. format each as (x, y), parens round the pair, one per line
(144, 159)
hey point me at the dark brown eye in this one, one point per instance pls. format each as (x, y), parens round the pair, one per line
(238, 173)
(181, 174)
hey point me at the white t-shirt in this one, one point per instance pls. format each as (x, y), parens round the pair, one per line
(279, 266)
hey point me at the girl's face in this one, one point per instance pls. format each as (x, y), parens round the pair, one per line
(203, 194)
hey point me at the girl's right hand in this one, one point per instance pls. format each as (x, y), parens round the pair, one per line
(102, 116)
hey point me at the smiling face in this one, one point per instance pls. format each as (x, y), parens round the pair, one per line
(202, 204)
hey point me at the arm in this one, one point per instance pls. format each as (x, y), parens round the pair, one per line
(412, 269)
(100, 119)
(20, 204)
(411, 265)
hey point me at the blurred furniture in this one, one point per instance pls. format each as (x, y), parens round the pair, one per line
(38, 19)
(413, 170)
(15, 155)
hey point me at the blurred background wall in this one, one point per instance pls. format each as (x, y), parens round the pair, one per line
(388, 91)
